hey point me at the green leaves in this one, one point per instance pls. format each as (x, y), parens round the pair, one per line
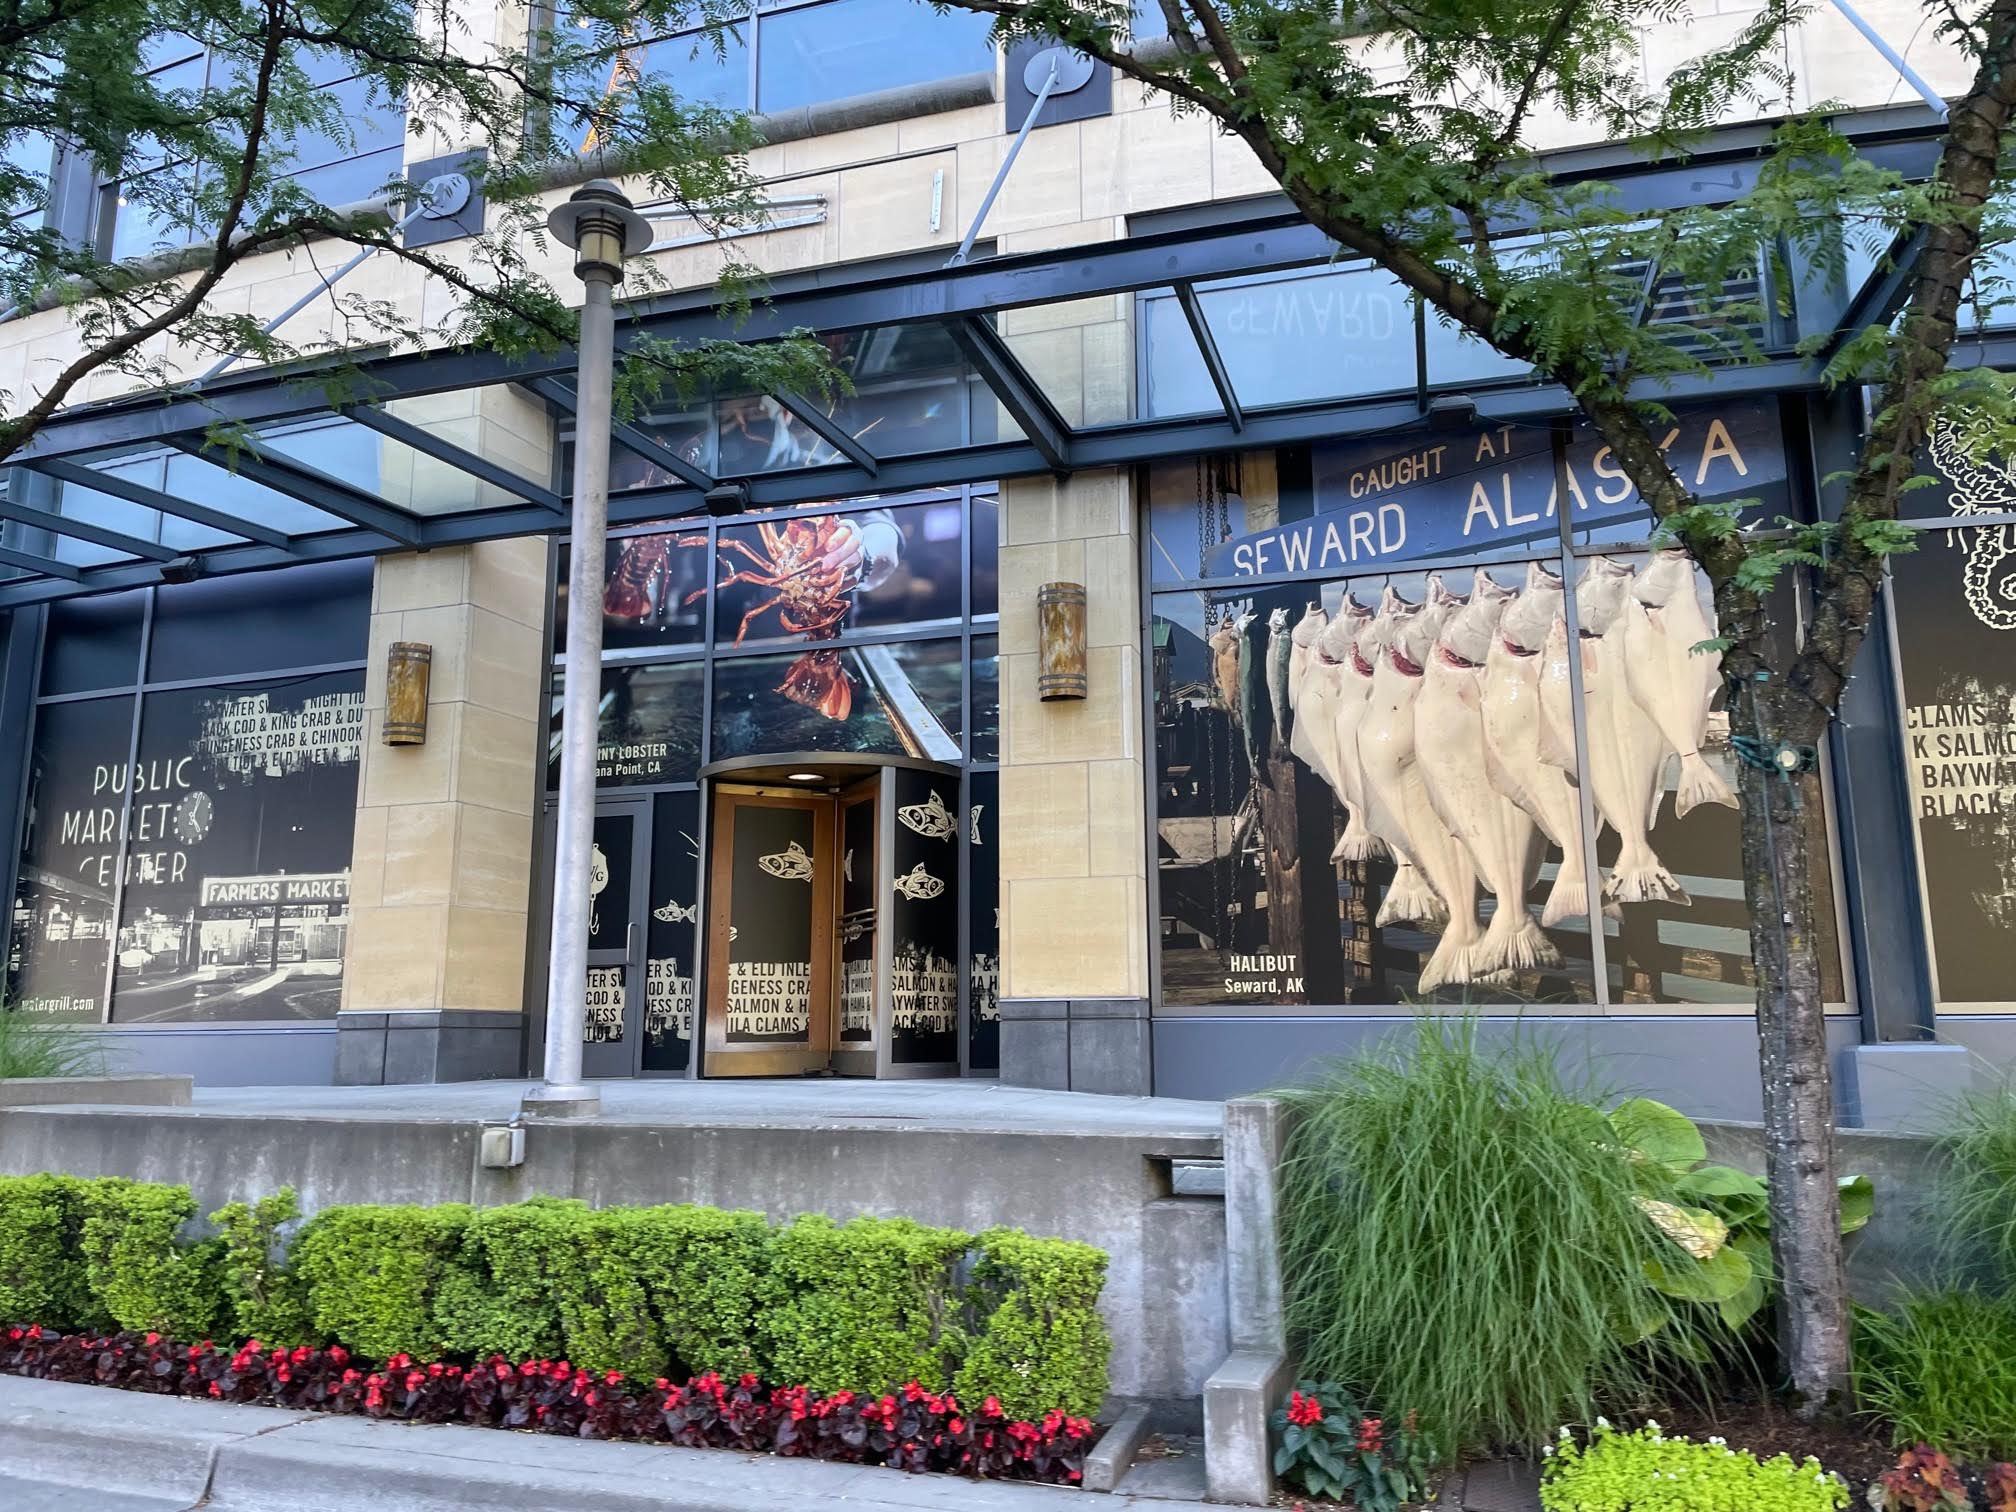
(1655, 1132)
(1716, 1218)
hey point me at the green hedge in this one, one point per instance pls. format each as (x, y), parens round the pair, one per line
(864, 1305)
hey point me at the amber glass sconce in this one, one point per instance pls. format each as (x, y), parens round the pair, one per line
(1060, 637)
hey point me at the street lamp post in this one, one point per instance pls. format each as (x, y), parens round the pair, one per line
(602, 228)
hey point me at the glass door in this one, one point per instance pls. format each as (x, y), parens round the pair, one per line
(618, 894)
(770, 933)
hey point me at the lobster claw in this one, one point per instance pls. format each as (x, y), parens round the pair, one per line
(819, 682)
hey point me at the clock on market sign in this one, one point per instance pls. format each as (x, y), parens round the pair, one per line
(192, 817)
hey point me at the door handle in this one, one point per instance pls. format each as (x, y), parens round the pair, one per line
(629, 932)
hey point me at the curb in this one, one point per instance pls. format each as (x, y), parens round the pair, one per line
(229, 1458)
(164, 1448)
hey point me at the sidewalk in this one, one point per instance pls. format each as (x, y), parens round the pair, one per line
(69, 1448)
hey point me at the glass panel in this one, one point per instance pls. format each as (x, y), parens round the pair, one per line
(1199, 505)
(260, 621)
(986, 592)
(155, 212)
(983, 875)
(1455, 356)
(215, 485)
(853, 47)
(654, 591)
(901, 699)
(388, 469)
(93, 643)
(814, 577)
(1954, 621)
(650, 725)
(238, 864)
(673, 950)
(985, 744)
(1656, 727)
(699, 69)
(858, 914)
(95, 508)
(608, 994)
(1289, 337)
(909, 389)
(689, 434)
(349, 180)
(1383, 740)
(1174, 379)
(373, 125)
(769, 996)
(924, 920)
(610, 870)
(61, 940)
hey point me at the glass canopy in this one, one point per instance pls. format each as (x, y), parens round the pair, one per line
(1224, 331)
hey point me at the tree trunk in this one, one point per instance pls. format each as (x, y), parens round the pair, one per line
(1806, 1251)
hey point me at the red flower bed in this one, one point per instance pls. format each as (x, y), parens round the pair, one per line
(913, 1429)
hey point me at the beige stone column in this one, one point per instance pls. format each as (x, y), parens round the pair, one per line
(434, 971)
(1074, 916)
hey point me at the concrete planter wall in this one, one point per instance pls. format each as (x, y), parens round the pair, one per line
(105, 1091)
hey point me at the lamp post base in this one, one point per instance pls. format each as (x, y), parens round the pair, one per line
(548, 1100)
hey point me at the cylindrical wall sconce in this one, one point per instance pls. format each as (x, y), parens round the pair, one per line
(408, 665)
(1060, 641)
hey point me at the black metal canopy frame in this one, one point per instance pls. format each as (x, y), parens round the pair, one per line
(273, 502)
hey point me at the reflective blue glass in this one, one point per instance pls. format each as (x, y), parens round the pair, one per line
(694, 68)
(854, 47)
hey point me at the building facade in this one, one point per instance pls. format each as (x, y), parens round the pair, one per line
(1332, 765)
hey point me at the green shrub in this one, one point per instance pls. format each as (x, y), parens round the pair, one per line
(496, 1296)
(42, 1275)
(704, 1271)
(263, 1298)
(1977, 1202)
(373, 1275)
(41, 1047)
(1940, 1369)
(1463, 1237)
(142, 1271)
(668, 1290)
(862, 1306)
(1039, 1342)
(1648, 1472)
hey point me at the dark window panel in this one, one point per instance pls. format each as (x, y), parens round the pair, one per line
(93, 643)
(262, 621)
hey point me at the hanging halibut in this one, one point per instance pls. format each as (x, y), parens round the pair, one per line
(1303, 647)
(1627, 754)
(1670, 681)
(1353, 658)
(1512, 691)
(1279, 648)
(1454, 757)
(1301, 692)
(1397, 807)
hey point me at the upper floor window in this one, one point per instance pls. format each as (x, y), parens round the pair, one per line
(793, 53)
(157, 205)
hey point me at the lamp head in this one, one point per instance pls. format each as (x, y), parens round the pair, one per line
(599, 223)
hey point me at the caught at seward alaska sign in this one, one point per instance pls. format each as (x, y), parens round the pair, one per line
(1397, 499)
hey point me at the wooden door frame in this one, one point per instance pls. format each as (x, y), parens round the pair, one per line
(722, 1058)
